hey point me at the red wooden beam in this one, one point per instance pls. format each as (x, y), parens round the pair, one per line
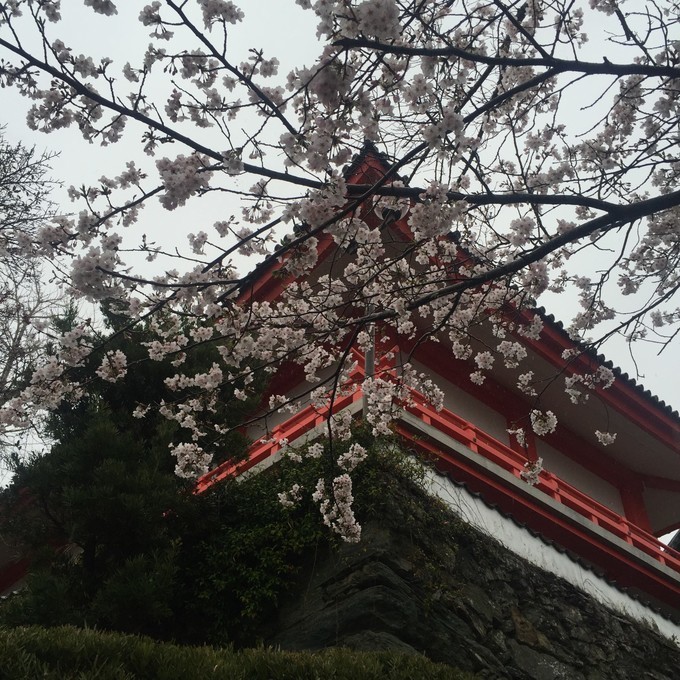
(511, 498)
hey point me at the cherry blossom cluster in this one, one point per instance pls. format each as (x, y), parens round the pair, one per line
(519, 434)
(113, 366)
(291, 497)
(531, 473)
(378, 18)
(182, 178)
(105, 7)
(74, 346)
(192, 460)
(543, 423)
(336, 510)
(336, 507)
(219, 11)
(605, 438)
(354, 456)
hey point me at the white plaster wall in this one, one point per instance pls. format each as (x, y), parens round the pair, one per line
(264, 425)
(462, 404)
(576, 475)
(531, 548)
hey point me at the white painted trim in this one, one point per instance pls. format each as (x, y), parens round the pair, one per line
(518, 540)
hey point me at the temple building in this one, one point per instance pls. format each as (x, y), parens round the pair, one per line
(590, 513)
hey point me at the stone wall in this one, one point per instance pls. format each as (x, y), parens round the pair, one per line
(421, 581)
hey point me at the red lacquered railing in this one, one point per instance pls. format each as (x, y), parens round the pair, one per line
(475, 440)
(295, 427)
(512, 461)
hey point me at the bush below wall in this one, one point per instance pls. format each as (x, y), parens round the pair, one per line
(71, 653)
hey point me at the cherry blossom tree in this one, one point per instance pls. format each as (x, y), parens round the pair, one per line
(531, 146)
(25, 302)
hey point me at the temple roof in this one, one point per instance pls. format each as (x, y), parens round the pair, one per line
(370, 150)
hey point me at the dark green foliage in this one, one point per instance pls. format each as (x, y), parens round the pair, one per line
(100, 527)
(70, 654)
(251, 548)
(236, 561)
(102, 516)
(154, 558)
(118, 542)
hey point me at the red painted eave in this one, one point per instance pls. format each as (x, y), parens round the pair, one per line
(639, 406)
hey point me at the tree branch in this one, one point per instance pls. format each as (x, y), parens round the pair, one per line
(560, 65)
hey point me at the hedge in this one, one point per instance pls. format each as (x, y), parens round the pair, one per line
(69, 653)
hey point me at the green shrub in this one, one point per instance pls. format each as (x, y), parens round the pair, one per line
(71, 653)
